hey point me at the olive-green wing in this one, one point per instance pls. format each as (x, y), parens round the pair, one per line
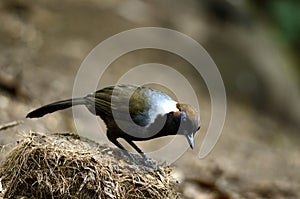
(122, 102)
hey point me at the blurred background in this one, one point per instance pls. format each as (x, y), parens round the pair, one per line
(255, 44)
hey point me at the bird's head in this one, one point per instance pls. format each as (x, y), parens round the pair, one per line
(189, 122)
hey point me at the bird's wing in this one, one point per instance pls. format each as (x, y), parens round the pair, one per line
(120, 102)
(130, 102)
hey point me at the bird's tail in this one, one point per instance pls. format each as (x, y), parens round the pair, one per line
(50, 108)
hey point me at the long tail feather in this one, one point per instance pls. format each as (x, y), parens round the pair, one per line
(50, 108)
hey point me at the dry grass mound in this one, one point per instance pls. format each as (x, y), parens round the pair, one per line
(66, 166)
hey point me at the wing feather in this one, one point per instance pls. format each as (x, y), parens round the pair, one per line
(129, 102)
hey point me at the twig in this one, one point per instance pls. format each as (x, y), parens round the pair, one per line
(1, 188)
(10, 124)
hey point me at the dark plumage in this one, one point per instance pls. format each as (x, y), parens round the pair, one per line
(154, 114)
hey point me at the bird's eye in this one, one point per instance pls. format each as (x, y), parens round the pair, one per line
(183, 116)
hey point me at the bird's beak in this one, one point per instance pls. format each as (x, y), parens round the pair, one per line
(190, 138)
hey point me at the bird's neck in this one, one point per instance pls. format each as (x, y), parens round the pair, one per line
(171, 125)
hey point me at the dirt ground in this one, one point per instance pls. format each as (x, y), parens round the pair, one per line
(42, 45)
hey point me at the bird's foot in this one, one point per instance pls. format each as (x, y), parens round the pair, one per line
(129, 156)
(146, 163)
(150, 163)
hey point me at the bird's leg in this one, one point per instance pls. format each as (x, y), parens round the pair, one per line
(146, 159)
(120, 146)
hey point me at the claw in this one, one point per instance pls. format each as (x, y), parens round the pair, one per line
(147, 164)
(150, 163)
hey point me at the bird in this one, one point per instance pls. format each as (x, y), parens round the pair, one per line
(134, 113)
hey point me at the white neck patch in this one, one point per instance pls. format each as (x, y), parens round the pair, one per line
(161, 104)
